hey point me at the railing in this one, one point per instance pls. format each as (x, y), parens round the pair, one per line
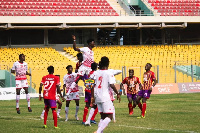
(129, 10)
(189, 70)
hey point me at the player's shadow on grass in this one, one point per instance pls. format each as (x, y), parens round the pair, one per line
(6, 118)
(133, 116)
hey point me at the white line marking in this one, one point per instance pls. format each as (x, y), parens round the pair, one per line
(148, 128)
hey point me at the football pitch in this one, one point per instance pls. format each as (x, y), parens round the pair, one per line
(165, 113)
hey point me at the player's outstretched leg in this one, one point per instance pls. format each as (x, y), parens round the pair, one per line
(45, 116)
(55, 118)
(114, 120)
(87, 123)
(59, 108)
(87, 105)
(42, 115)
(130, 108)
(144, 107)
(67, 110)
(77, 109)
(28, 99)
(103, 124)
(130, 100)
(17, 99)
(93, 116)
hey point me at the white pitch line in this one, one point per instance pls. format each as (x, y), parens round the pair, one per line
(148, 128)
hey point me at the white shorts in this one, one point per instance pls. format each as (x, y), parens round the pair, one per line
(72, 96)
(84, 70)
(21, 83)
(105, 107)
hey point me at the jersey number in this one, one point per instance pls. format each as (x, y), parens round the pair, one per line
(48, 85)
(100, 79)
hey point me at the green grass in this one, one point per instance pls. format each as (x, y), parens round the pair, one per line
(165, 113)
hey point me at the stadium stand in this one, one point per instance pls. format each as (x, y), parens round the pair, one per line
(38, 60)
(56, 8)
(176, 7)
(137, 56)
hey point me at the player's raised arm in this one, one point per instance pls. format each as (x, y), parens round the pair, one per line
(115, 90)
(40, 89)
(74, 44)
(116, 72)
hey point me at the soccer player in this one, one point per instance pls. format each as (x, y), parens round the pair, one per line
(100, 94)
(51, 83)
(114, 72)
(58, 101)
(149, 81)
(131, 82)
(79, 63)
(73, 94)
(21, 69)
(93, 110)
(88, 59)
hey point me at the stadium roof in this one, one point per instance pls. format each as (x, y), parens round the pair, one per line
(57, 22)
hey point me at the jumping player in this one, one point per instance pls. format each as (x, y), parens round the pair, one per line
(149, 81)
(88, 99)
(68, 79)
(58, 101)
(131, 82)
(100, 94)
(51, 83)
(88, 59)
(79, 63)
(21, 69)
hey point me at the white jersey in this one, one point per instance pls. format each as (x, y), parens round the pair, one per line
(88, 56)
(68, 80)
(115, 72)
(103, 79)
(20, 69)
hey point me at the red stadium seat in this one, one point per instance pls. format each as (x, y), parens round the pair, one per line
(176, 7)
(56, 8)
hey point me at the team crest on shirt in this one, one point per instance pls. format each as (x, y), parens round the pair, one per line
(132, 84)
(145, 77)
(89, 83)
